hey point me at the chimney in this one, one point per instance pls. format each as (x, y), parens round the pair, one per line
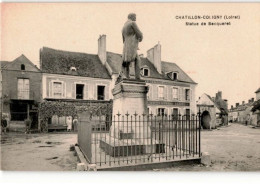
(232, 107)
(154, 55)
(102, 53)
(219, 95)
(237, 104)
(249, 101)
(243, 102)
(252, 99)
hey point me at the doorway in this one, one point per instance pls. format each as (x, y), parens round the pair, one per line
(205, 120)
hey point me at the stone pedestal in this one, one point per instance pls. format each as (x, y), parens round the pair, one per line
(130, 131)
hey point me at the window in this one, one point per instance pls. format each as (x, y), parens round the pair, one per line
(187, 113)
(161, 111)
(175, 112)
(101, 92)
(57, 89)
(174, 75)
(145, 72)
(79, 91)
(161, 92)
(23, 88)
(73, 69)
(187, 94)
(175, 93)
(22, 67)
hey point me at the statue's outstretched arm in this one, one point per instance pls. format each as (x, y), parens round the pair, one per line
(138, 33)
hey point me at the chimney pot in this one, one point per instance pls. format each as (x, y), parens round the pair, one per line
(154, 55)
(102, 53)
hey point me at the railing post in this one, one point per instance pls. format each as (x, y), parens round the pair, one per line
(199, 134)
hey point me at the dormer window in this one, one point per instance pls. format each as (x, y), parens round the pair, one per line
(173, 75)
(73, 69)
(22, 67)
(145, 71)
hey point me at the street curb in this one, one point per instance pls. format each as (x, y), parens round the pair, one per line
(81, 157)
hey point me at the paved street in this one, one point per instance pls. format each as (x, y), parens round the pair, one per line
(43, 152)
(232, 148)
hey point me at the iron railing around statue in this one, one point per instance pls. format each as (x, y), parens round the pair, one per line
(137, 139)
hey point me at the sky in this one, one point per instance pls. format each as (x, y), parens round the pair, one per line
(218, 58)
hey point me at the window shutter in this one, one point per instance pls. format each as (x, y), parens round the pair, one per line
(170, 93)
(106, 93)
(90, 94)
(165, 93)
(63, 89)
(86, 92)
(190, 95)
(150, 92)
(73, 90)
(180, 94)
(50, 89)
(156, 90)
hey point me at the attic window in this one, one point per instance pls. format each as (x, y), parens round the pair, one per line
(22, 67)
(145, 72)
(73, 69)
(173, 75)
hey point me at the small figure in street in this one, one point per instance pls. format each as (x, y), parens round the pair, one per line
(69, 123)
(28, 123)
(4, 125)
(75, 123)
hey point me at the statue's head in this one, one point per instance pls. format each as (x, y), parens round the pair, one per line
(132, 16)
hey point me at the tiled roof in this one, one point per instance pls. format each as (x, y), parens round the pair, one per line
(182, 76)
(258, 90)
(22, 59)
(114, 61)
(59, 62)
(4, 64)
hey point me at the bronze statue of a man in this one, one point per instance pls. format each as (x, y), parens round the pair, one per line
(131, 37)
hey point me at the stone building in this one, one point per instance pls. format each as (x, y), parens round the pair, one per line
(21, 91)
(72, 77)
(77, 76)
(242, 113)
(171, 90)
(255, 111)
(213, 110)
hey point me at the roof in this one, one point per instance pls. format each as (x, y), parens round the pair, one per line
(4, 64)
(59, 62)
(114, 60)
(15, 64)
(256, 106)
(221, 108)
(182, 76)
(258, 90)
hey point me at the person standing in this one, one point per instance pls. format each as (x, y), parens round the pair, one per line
(69, 123)
(75, 123)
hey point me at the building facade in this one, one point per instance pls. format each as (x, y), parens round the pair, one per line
(72, 77)
(21, 91)
(171, 90)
